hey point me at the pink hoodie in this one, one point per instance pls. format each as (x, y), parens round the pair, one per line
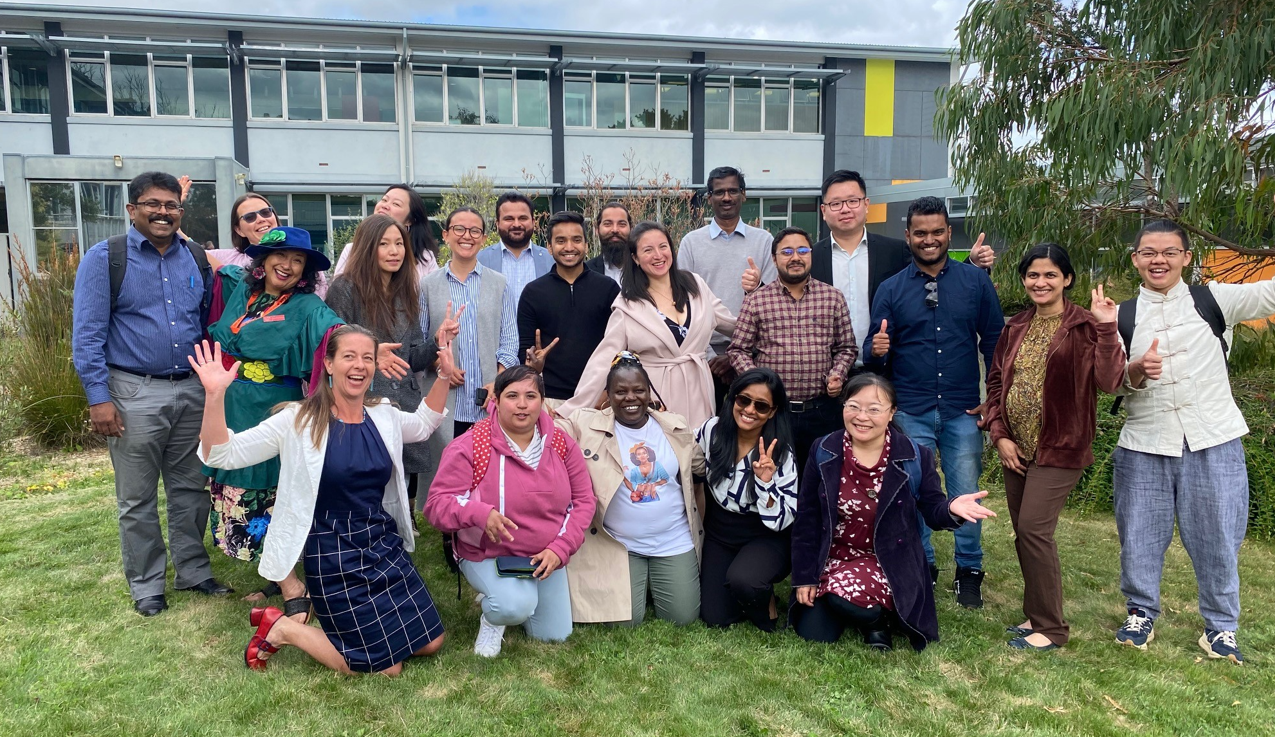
(552, 504)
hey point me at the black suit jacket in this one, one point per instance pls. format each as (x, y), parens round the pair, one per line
(596, 264)
(886, 257)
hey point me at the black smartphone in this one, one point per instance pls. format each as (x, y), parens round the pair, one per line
(514, 566)
(480, 396)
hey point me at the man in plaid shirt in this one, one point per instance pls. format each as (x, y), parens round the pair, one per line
(799, 328)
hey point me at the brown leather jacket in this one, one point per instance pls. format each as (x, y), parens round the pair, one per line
(1084, 356)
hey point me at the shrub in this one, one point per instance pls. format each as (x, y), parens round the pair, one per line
(41, 383)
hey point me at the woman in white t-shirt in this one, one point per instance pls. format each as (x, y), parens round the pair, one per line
(647, 529)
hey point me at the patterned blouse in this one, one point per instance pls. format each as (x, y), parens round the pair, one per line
(742, 493)
(853, 571)
(1023, 400)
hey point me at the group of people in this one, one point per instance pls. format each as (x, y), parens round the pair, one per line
(683, 428)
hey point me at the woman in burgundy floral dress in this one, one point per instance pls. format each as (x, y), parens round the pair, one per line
(856, 548)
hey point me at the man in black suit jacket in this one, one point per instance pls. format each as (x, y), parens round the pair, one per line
(845, 209)
(612, 227)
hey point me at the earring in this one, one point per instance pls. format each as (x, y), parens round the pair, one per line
(301, 284)
(258, 273)
(329, 381)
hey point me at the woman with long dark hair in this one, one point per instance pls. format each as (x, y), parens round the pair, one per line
(406, 207)
(752, 497)
(665, 316)
(346, 521)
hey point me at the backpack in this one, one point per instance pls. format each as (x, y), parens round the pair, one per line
(1206, 306)
(117, 248)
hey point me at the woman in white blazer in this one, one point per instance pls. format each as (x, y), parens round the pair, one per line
(341, 505)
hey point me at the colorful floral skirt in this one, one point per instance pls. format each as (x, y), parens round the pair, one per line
(239, 519)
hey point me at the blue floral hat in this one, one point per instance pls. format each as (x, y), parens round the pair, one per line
(284, 238)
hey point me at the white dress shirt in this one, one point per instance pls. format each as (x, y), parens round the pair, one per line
(850, 277)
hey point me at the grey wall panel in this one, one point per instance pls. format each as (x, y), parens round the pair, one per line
(908, 109)
(850, 106)
(934, 161)
(920, 76)
(856, 70)
(850, 152)
(905, 157)
(877, 153)
(929, 106)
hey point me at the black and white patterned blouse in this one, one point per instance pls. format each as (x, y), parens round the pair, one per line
(775, 502)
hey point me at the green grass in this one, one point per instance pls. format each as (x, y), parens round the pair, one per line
(74, 659)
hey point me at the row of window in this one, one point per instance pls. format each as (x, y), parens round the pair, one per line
(158, 85)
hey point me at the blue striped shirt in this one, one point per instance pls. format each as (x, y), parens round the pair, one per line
(465, 348)
(156, 320)
(519, 271)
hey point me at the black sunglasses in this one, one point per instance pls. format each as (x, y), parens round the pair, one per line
(251, 217)
(931, 294)
(762, 406)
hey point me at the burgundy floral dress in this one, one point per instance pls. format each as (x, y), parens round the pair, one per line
(852, 571)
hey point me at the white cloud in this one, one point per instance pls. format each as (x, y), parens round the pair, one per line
(901, 22)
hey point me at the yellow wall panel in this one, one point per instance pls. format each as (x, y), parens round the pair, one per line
(878, 94)
(876, 213)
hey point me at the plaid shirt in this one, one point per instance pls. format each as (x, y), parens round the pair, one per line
(804, 341)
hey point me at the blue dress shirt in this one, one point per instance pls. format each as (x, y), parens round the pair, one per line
(157, 318)
(934, 350)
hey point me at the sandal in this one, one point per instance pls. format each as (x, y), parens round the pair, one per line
(269, 591)
(264, 620)
(299, 605)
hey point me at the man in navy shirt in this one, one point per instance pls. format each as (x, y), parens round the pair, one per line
(132, 358)
(929, 324)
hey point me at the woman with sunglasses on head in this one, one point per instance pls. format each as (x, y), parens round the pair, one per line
(252, 217)
(406, 207)
(646, 533)
(752, 497)
(857, 559)
(341, 506)
(666, 316)
(1042, 400)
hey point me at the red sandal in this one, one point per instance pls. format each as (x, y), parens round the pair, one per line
(264, 619)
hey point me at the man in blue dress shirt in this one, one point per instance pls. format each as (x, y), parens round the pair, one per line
(929, 324)
(516, 256)
(132, 360)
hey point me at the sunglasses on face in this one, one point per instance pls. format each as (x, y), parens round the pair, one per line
(763, 407)
(931, 294)
(251, 217)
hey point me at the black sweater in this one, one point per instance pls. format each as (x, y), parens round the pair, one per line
(576, 313)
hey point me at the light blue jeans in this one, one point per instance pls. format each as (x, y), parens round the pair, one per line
(543, 608)
(959, 443)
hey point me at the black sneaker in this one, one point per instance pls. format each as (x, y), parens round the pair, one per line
(968, 585)
(934, 576)
(1137, 631)
(1221, 644)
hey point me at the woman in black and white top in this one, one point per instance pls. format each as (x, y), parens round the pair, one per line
(752, 480)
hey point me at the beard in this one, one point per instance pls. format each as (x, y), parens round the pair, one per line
(613, 250)
(515, 243)
(787, 277)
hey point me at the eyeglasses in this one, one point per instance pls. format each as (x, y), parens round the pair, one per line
(873, 411)
(251, 217)
(743, 402)
(1146, 254)
(839, 205)
(931, 294)
(157, 206)
(460, 230)
(625, 357)
(726, 192)
(789, 252)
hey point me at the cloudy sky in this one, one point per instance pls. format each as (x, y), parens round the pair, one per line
(901, 22)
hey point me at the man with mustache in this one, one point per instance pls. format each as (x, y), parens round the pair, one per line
(515, 256)
(130, 346)
(612, 227)
(563, 315)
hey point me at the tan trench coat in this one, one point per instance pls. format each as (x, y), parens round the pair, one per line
(599, 571)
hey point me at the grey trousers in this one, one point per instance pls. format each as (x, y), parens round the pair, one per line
(1207, 491)
(673, 582)
(161, 432)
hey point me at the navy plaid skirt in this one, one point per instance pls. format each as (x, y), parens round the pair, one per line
(368, 596)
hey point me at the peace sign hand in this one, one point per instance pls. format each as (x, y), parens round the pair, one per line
(212, 373)
(764, 466)
(451, 325)
(536, 354)
(1102, 307)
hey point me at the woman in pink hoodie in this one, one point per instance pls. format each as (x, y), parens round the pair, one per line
(517, 493)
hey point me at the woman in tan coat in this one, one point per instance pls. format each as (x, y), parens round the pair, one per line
(647, 529)
(666, 316)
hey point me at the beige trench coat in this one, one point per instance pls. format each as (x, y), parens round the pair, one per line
(599, 571)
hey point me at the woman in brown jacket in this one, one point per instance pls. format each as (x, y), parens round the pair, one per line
(1042, 394)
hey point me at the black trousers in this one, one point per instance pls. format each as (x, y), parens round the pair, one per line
(737, 583)
(831, 615)
(808, 426)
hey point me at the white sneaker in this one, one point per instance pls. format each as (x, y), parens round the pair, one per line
(489, 639)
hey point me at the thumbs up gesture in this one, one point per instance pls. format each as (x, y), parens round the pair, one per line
(752, 277)
(1149, 366)
(881, 341)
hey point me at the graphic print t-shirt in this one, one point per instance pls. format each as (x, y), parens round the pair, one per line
(648, 514)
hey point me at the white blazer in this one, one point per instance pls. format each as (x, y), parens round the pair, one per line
(301, 466)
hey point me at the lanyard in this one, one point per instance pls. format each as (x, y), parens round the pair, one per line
(248, 315)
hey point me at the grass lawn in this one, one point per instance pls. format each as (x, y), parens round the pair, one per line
(75, 659)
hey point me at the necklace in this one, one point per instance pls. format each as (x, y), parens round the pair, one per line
(254, 310)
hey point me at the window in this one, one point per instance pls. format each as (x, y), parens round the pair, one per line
(775, 97)
(642, 92)
(172, 86)
(55, 219)
(343, 91)
(717, 104)
(750, 105)
(532, 89)
(481, 96)
(805, 106)
(378, 93)
(621, 101)
(322, 90)
(88, 84)
(747, 105)
(498, 97)
(3, 86)
(199, 221)
(611, 108)
(305, 90)
(577, 94)
(674, 103)
(427, 94)
(210, 78)
(107, 83)
(130, 85)
(464, 107)
(28, 81)
(266, 87)
(777, 213)
(310, 213)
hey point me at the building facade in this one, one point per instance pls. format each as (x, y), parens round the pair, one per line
(322, 115)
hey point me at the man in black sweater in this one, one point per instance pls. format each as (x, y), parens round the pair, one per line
(563, 315)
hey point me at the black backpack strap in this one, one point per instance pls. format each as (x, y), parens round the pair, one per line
(117, 253)
(1126, 317)
(1208, 308)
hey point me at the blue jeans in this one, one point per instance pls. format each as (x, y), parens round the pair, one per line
(959, 443)
(543, 608)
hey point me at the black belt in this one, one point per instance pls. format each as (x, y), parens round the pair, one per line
(808, 405)
(180, 376)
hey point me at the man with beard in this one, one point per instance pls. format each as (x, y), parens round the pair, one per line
(612, 226)
(563, 315)
(140, 301)
(929, 323)
(799, 328)
(515, 256)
